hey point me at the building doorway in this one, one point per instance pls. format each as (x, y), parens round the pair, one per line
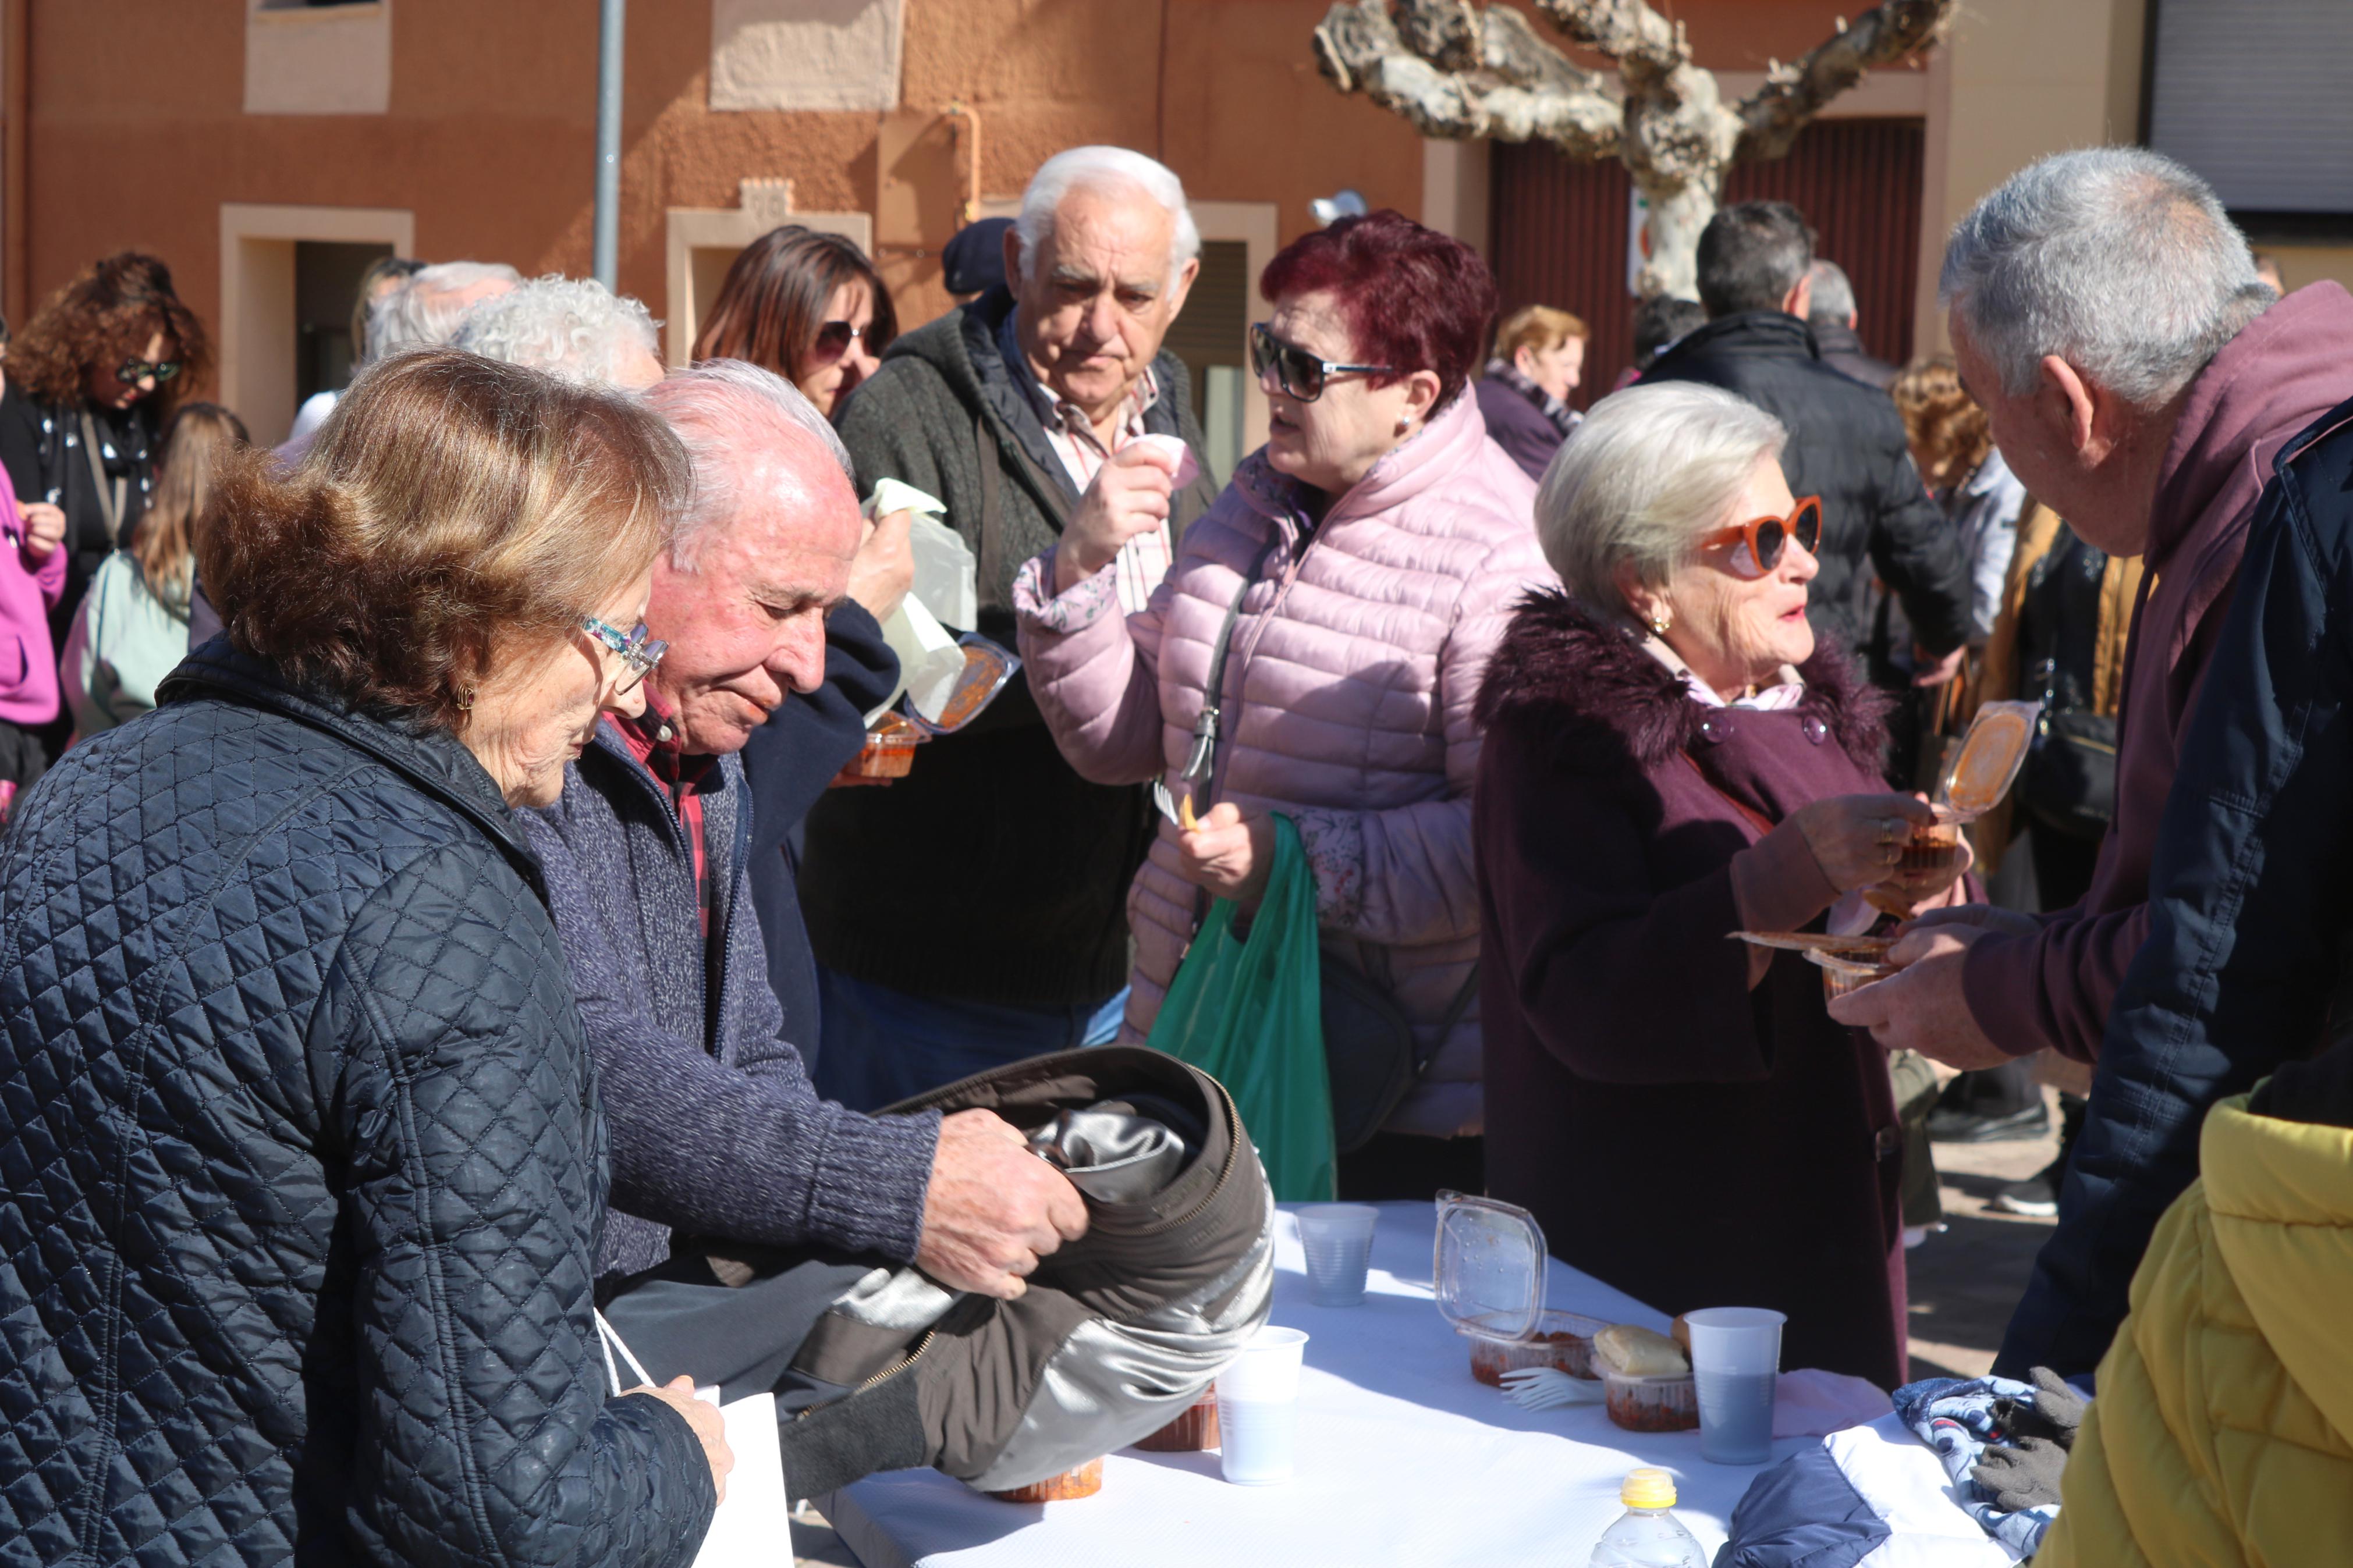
(326, 284)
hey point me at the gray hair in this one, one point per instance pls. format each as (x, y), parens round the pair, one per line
(2116, 259)
(1833, 295)
(1105, 169)
(1650, 472)
(420, 313)
(573, 328)
(734, 419)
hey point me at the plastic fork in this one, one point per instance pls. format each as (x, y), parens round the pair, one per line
(1546, 1387)
(1167, 804)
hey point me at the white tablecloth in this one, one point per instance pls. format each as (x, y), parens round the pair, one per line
(1403, 1458)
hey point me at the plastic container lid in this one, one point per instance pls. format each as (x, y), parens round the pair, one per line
(1648, 1488)
(1490, 1266)
(1987, 763)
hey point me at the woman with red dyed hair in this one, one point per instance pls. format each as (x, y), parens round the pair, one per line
(1357, 572)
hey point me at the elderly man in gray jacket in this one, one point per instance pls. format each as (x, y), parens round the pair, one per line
(747, 1210)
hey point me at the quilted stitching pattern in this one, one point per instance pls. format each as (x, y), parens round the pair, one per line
(301, 1166)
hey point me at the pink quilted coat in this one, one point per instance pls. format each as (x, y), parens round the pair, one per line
(1357, 660)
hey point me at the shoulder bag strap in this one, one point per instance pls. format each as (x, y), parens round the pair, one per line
(1755, 818)
(1213, 694)
(609, 1339)
(110, 494)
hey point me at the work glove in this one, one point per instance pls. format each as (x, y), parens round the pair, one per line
(2024, 1477)
(2057, 1412)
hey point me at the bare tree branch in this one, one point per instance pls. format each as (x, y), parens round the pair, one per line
(1443, 32)
(1772, 116)
(1512, 87)
(1644, 43)
(1509, 48)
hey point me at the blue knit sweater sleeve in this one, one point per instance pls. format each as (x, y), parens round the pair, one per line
(744, 1150)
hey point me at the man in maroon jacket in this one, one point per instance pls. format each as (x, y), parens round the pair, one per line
(2141, 379)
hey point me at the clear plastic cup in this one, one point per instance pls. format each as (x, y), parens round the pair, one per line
(1258, 1408)
(1735, 1357)
(1338, 1241)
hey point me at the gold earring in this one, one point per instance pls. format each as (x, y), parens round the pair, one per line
(1659, 622)
(465, 699)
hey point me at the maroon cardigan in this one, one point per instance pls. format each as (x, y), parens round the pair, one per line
(1688, 1140)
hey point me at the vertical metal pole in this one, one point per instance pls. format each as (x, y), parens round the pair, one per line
(607, 250)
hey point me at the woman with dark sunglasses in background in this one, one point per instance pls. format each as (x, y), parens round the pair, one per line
(809, 307)
(104, 364)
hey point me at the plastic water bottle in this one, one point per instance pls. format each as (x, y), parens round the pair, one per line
(1646, 1535)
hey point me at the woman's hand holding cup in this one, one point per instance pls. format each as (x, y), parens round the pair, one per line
(1858, 839)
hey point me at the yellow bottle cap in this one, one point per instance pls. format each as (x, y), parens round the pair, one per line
(1648, 1488)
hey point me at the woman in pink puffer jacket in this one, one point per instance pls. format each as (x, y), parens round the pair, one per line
(1384, 540)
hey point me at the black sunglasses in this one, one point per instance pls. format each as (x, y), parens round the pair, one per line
(833, 341)
(131, 372)
(1301, 375)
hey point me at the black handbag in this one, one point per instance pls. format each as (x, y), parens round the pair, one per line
(1370, 1054)
(2070, 775)
(2069, 783)
(1369, 1050)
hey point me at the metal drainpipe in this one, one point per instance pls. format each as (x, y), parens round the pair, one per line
(607, 262)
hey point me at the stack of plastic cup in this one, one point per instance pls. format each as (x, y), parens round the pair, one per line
(1258, 1408)
(1338, 1241)
(1735, 1357)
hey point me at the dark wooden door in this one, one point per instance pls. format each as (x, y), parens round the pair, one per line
(1559, 230)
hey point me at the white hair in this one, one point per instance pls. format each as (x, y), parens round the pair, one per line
(2116, 259)
(1104, 169)
(423, 314)
(1642, 480)
(573, 328)
(735, 420)
(1833, 295)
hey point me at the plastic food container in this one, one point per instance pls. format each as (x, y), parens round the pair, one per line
(1987, 765)
(1562, 1339)
(1840, 975)
(1489, 1269)
(889, 750)
(1084, 1481)
(1651, 1404)
(1195, 1432)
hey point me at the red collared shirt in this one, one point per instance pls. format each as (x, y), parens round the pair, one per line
(657, 740)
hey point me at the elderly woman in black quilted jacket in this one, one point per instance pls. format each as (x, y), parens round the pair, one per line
(300, 1165)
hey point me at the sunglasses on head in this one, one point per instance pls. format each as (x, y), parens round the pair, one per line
(131, 372)
(1767, 537)
(833, 341)
(1301, 375)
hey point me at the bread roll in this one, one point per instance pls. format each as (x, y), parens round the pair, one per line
(1639, 1352)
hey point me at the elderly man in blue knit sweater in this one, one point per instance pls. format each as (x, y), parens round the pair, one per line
(716, 1133)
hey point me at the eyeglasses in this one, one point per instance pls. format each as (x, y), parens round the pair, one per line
(833, 341)
(1767, 536)
(1301, 375)
(638, 650)
(131, 372)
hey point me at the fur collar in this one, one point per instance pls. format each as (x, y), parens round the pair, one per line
(1601, 697)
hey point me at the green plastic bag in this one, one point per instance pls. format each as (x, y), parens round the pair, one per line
(1249, 1011)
